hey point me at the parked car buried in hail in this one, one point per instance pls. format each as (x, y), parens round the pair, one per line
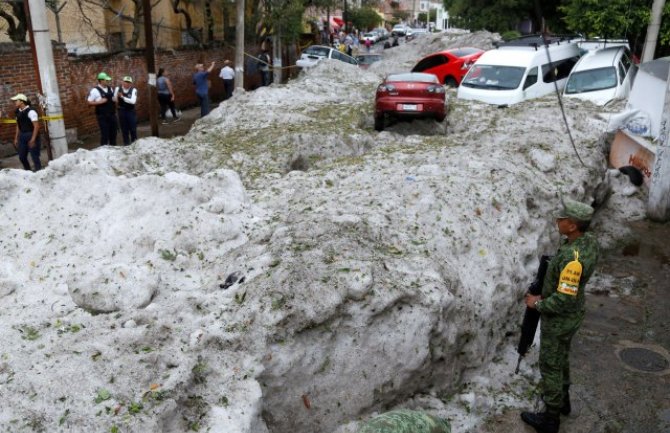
(365, 60)
(314, 54)
(409, 95)
(450, 66)
(602, 75)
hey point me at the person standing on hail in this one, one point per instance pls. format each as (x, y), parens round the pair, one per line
(102, 98)
(201, 83)
(26, 139)
(561, 308)
(126, 98)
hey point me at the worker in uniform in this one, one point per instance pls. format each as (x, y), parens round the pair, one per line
(126, 98)
(27, 139)
(102, 98)
(561, 308)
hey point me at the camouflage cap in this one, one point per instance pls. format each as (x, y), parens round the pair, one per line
(575, 210)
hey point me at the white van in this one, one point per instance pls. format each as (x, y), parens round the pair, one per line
(520, 70)
(602, 75)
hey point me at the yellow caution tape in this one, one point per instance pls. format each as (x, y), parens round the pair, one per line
(55, 117)
(47, 118)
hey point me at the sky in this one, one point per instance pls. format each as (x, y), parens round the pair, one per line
(204, 283)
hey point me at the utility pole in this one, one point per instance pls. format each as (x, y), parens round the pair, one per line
(652, 31)
(239, 45)
(151, 66)
(45, 70)
(658, 201)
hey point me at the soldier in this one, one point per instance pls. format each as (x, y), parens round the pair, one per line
(561, 308)
(405, 421)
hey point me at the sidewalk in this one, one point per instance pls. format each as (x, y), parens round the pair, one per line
(620, 358)
(181, 127)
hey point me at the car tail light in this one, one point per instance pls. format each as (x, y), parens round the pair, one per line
(466, 65)
(435, 89)
(386, 88)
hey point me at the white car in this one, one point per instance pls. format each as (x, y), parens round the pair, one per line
(314, 54)
(520, 70)
(602, 75)
(372, 36)
(399, 30)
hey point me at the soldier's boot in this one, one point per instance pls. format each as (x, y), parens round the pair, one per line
(566, 408)
(542, 422)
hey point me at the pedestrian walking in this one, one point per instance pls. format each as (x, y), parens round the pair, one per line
(126, 98)
(102, 98)
(201, 82)
(264, 67)
(27, 139)
(561, 308)
(227, 74)
(165, 96)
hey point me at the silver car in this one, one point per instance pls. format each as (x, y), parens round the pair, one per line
(314, 54)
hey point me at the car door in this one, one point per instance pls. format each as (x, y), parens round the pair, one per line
(627, 74)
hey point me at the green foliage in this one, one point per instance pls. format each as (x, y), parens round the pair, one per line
(512, 34)
(364, 18)
(614, 19)
(284, 17)
(103, 395)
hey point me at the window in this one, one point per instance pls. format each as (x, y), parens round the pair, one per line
(558, 70)
(430, 62)
(622, 73)
(591, 80)
(531, 78)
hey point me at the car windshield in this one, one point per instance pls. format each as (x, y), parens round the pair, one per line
(317, 51)
(591, 80)
(368, 60)
(493, 77)
(416, 77)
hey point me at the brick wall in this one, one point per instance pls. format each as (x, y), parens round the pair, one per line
(76, 76)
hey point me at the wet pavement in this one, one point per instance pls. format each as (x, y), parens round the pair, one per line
(172, 129)
(620, 359)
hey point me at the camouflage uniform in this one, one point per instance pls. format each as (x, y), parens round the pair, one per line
(561, 315)
(405, 421)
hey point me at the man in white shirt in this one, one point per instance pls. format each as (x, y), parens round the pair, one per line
(26, 139)
(102, 98)
(227, 74)
(126, 98)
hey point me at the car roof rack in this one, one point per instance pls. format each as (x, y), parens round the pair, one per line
(536, 41)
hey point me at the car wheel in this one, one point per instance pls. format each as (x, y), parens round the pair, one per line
(379, 122)
(450, 82)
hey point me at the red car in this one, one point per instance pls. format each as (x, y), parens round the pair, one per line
(450, 66)
(409, 95)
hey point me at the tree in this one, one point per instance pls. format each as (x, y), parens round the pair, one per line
(504, 15)
(364, 18)
(133, 14)
(14, 14)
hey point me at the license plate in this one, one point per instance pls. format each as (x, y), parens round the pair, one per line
(409, 107)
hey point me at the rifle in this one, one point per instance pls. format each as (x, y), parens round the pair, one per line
(531, 317)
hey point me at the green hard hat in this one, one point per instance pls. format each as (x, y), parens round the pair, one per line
(104, 76)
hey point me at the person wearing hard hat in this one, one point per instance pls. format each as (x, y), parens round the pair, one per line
(27, 139)
(102, 98)
(126, 98)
